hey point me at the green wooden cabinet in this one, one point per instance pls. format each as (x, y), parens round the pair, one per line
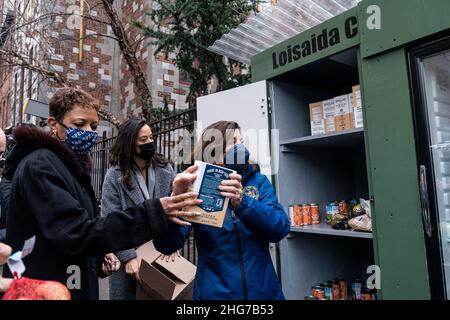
(326, 61)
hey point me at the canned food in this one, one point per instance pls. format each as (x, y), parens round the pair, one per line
(344, 288)
(315, 214)
(332, 209)
(298, 219)
(291, 215)
(306, 213)
(343, 208)
(336, 287)
(365, 294)
(368, 294)
(319, 292)
(328, 288)
(311, 298)
(356, 286)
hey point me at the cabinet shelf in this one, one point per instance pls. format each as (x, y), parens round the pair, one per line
(343, 139)
(326, 229)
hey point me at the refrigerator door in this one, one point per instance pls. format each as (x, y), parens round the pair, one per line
(430, 68)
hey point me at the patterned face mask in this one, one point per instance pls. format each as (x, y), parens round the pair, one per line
(80, 141)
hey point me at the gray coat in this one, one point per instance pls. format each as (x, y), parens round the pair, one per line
(116, 196)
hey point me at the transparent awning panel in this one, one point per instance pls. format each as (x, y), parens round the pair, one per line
(281, 21)
(255, 36)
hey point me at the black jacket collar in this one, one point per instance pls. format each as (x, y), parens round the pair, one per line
(29, 139)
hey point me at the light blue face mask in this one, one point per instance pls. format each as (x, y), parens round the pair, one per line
(80, 141)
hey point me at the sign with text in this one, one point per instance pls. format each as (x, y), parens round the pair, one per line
(328, 38)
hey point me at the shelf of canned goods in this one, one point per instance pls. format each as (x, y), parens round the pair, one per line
(372, 158)
(366, 170)
(326, 230)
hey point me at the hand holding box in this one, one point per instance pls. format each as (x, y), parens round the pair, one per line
(214, 206)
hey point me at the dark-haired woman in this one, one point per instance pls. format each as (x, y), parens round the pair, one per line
(52, 198)
(138, 173)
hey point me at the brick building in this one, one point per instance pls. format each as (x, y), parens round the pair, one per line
(5, 74)
(47, 34)
(168, 87)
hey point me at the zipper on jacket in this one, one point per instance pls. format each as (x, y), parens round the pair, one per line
(241, 259)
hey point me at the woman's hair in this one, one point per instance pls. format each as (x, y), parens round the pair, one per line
(208, 140)
(123, 150)
(64, 99)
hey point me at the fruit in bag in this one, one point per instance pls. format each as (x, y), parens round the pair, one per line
(30, 289)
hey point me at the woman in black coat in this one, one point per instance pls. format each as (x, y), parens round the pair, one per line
(52, 198)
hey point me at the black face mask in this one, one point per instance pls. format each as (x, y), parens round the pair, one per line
(147, 151)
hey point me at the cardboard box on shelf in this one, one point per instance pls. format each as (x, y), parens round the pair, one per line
(342, 117)
(162, 280)
(352, 112)
(357, 104)
(329, 115)
(317, 119)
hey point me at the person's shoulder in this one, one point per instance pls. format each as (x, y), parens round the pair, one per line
(114, 168)
(39, 161)
(254, 174)
(113, 172)
(262, 179)
(166, 168)
(42, 157)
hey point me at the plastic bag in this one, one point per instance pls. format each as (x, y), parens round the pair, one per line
(362, 222)
(365, 204)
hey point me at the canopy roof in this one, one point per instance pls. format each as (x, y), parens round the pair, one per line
(277, 23)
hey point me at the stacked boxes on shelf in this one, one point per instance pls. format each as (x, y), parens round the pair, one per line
(317, 118)
(357, 106)
(338, 114)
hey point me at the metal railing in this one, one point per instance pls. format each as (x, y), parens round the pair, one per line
(170, 131)
(167, 133)
(100, 163)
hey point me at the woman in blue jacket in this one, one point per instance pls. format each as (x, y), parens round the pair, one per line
(234, 261)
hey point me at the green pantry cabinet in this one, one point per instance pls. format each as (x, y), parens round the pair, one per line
(381, 162)
(399, 52)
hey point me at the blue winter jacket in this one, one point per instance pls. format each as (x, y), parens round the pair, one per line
(234, 261)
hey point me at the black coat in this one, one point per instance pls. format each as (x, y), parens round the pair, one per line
(52, 198)
(5, 186)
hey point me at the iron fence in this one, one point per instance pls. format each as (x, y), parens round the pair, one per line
(100, 163)
(167, 133)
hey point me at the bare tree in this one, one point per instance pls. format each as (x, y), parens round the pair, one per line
(33, 25)
(129, 53)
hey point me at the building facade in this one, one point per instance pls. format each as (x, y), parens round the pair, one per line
(53, 36)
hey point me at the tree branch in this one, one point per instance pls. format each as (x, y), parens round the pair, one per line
(129, 53)
(58, 78)
(108, 116)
